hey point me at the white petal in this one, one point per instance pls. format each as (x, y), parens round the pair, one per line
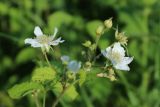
(65, 59)
(74, 66)
(33, 42)
(118, 48)
(126, 60)
(122, 67)
(38, 31)
(57, 41)
(107, 52)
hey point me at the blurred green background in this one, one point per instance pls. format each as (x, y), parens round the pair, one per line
(77, 20)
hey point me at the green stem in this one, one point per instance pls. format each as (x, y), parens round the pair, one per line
(44, 99)
(59, 97)
(36, 100)
(45, 55)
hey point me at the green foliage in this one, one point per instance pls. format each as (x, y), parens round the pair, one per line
(23, 89)
(71, 93)
(59, 18)
(25, 55)
(82, 77)
(92, 26)
(43, 74)
(139, 19)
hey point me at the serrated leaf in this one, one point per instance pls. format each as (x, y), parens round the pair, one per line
(57, 88)
(23, 89)
(43, 74)
(92, 26)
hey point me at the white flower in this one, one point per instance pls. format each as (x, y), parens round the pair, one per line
(65, 59)
(116, 55)
(74, 66)
(43, 40)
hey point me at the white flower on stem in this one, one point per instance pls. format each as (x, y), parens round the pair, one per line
(42, 40)
(116, 55)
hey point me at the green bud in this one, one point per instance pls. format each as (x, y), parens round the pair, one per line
(121, 37)
(108, 23)
(100, 30)
(87, 44)
(88, 66)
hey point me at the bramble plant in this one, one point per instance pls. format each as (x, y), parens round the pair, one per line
(63, 81)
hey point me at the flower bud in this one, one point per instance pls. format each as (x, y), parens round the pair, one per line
(108, 23)
(87, 44)
(100, 30)
(121, 37)
(88, 66)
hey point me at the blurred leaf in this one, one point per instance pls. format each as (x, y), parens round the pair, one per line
(92, 26)
(25, 55)
(82, 77)
(3, 8)
(23, 89)
(70, 93)
(136, 25)
(5, 101)
(43, 74)
(133, 98)
(59, 18)
(57, 88)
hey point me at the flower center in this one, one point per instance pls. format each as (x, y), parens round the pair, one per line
(116, 57)
(43, 39)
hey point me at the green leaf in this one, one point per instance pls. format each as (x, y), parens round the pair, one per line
(70, 93)
(23, 89)
(25, 55)
(92, 26)
(82, 77)
(57, 88)
(43, 74)
(59, 18)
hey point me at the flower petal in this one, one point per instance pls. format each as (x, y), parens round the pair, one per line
(65, 59)
(126, 60)
(122, 67)
(74, 66)
(38, 31)
(107, 52)
(33, 42)
(118, 48)
(57, 41)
